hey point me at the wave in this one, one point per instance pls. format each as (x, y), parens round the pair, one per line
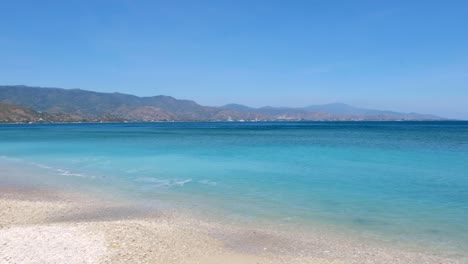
(41, 165)
(58, 170)
(164, 182)
(68, 173)
(208, 182)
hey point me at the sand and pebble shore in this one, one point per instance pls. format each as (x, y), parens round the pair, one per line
(43, 226)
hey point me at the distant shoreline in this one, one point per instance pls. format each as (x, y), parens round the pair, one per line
(240, 122)
(28, 103)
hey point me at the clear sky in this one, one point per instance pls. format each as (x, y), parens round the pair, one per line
(399, 55)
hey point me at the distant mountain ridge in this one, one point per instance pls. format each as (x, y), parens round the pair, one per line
(338, 109)
(90, 105)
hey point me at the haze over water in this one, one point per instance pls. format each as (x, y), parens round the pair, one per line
(397, 181)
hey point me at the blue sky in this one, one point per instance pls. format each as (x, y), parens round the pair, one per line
(397, 55)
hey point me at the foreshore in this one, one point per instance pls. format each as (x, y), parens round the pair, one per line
(45, 226)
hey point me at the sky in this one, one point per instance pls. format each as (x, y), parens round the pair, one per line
(409, 56)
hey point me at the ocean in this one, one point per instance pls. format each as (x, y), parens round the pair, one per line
(396, 182)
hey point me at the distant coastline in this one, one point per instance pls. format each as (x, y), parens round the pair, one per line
(234, 122)
(25, 104)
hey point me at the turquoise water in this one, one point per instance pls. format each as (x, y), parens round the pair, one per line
(400, 181)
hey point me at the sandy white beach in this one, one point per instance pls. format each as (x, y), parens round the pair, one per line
(43, 226)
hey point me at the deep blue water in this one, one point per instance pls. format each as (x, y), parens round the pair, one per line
(395, 180)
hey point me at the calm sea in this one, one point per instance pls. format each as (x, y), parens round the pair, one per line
(396, 181)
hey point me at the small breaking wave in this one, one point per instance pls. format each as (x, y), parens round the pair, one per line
(68, 173)
(164, 182)
(208, 182)
(41, 165)
(57, 170)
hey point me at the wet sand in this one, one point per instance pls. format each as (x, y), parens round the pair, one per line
(43, 226)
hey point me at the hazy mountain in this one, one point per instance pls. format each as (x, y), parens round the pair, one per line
(89, 105)
(238, 107)
(344, 109)
(335, 111)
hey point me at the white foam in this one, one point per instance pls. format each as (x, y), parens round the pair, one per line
(150, 180)
(68, 173)
(164, 182)
(182, 183)
(41, 165)
(57, 170)
(208, 182)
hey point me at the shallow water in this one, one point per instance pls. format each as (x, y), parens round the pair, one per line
(393, 181)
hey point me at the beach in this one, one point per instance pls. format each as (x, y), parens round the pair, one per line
(229, 193)
(233, 132)
(46, 226)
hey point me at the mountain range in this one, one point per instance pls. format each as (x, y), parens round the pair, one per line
(75, 105)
